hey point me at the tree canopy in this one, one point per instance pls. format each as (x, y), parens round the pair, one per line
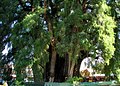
(42, 31)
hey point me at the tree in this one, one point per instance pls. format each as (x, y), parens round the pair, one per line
(73, 33)
(7, 9)
(89, 29)
(114, 65)
(106, 24)
(66, 28)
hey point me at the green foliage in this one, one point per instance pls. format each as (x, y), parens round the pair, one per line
(30, 20)
(99, 68)
(7, 10)
(74, 30)
(71, 80)
(17, 83)
(115, 5)
(105, 25)
(31, 40)
(118, 74)
(88, 31)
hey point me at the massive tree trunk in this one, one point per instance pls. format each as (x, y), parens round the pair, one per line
(53, 51)
(52, 65)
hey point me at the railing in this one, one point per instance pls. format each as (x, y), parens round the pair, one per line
(57, 84)
(34, 84)
(68, 84)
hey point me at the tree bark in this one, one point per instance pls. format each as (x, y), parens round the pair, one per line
(71, 65)
(52, 43)
(52, 65)
(53, 51)
(84, 6)
(71, 68)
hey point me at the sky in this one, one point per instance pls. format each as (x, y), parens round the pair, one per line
(5, 51)
(7, 48)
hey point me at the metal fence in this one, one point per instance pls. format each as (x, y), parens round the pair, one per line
(68, 84)
(34, 84)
